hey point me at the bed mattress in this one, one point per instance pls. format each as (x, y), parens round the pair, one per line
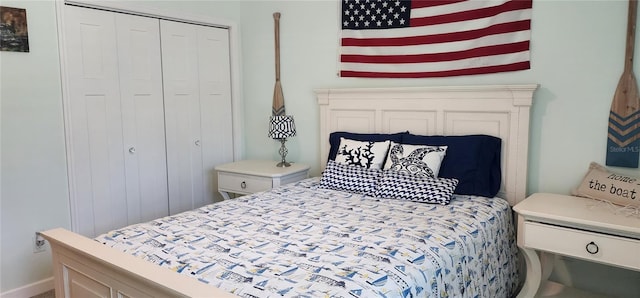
(300, 240)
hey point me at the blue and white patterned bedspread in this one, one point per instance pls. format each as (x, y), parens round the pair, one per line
(302, 241)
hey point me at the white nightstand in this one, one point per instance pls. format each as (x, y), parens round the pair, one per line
(250, 176)
(574, 227)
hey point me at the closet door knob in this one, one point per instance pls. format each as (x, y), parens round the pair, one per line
(197, 142)
(132, 150)
(592, 248)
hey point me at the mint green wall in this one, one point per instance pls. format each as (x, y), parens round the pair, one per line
(577, 58)
(34, 193)
(34, 177)
(577, 55)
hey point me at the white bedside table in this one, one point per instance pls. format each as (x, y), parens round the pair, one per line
(572, 226)
(250, 176)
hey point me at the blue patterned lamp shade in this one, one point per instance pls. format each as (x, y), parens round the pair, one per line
(282, 127)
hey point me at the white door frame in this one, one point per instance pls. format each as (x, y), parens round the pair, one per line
(123, 7)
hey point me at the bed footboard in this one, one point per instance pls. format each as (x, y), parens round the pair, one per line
(85, 268)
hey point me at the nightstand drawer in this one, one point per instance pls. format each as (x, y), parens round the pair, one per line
(619, 251)
(243, 184)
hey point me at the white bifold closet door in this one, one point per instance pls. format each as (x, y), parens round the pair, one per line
(197, 110)
(143, 131)
(149, 116)
(116, 120)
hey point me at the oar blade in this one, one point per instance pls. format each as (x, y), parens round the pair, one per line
(623, 138)
(277, 108)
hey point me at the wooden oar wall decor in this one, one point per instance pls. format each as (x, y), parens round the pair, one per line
(278, 98)
(623, 141)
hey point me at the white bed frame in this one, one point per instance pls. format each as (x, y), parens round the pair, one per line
(85, 268)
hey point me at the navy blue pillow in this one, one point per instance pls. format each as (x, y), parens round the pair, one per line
(472, 159)
(334, 139)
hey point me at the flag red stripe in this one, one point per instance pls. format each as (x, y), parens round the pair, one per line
(439, 38)
(470, 14)
(431, 3)
(433, 74)
(440, 57)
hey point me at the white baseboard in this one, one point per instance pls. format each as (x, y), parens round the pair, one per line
(30, 290)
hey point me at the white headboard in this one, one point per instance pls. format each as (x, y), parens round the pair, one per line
(497, 110)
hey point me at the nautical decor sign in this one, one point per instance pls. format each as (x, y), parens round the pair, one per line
(623, 138)
(599, 183)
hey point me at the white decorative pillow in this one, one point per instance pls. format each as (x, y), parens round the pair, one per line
(397, 185)
(366, 154)
(417, 160)
(599, 183)
(350, 178)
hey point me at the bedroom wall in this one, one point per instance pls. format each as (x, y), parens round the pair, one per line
(33, 165)
(577, 55)
(577, 58)
(34, 193)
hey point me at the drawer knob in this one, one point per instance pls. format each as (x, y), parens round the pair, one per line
(243, 185)
(592, 248)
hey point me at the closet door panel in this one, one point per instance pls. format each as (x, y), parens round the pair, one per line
(142, 117)
(148, 116)
(94, 114)
(215, 104)
(182, 115)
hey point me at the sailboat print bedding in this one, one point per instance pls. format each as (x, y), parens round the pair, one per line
(301, 240)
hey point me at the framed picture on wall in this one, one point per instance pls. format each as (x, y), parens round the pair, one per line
(14, 36)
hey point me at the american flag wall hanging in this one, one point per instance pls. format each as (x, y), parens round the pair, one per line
(433, 38)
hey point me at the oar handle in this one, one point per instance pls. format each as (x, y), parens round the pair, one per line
(631, 35)
(276, 19)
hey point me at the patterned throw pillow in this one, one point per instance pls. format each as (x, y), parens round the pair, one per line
(601, 184)
(350, 178)
(475, 160)
(366, 154)
(334, 139)
(396, 185)
(417, 160)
